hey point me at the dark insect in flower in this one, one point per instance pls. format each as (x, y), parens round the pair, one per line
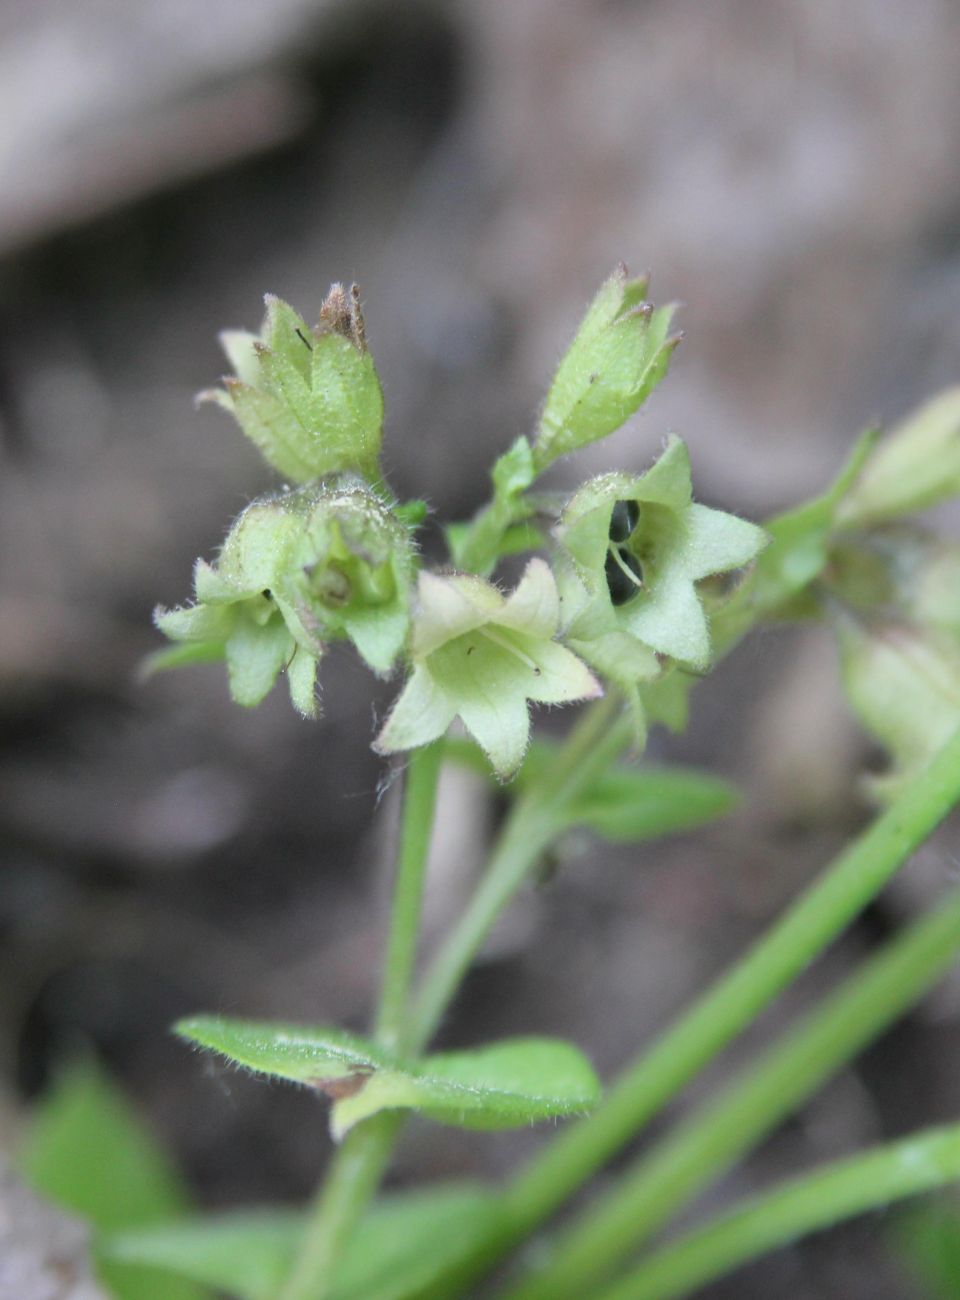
(625, 517)
(624, 575)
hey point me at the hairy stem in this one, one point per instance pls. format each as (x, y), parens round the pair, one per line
(358, 1165)
(533, 824)
(419, 805)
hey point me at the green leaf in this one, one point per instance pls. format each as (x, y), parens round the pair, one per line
(246, 1253)
(87, 1151)
(799, 538)
(928, 1239)
(641, 805)
(624, 803)
(406, 1242)
(319, 1057)
(507, 1084)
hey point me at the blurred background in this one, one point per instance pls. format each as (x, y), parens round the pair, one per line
(788, 170)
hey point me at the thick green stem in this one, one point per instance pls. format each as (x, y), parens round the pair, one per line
(353, 1178)
(533, 824)
(829, 1195)
(657, 1075)
(682, 1164)
(358, 1165)
(847, 885)
(419, 805)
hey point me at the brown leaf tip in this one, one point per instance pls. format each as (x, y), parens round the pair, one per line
(342, 1086)
(341, 314)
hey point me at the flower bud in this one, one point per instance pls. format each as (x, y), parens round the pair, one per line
(309, 399)
(619, 354)
(903, 683)
(915, 467)
(298, 569)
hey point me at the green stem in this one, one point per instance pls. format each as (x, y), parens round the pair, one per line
(358, 1165)
(419, 806)
(532, 825)
(351, 1181)
(846, 886)
(686, 1161)
(837, 1191)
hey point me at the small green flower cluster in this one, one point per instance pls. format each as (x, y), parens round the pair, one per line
(611, 595)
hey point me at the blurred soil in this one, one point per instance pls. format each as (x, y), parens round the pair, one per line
(789, 171)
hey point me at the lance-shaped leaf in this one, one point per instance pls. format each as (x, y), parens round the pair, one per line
(623, 803)
(482, 656)
(505, 1085)
(621, 351)
(406, 1242)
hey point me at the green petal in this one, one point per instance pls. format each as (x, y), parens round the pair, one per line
(378, 632)
(211, 588)
(449, 607)
(619, 656)
(240, 347)
(500, 724)
(534, 607)
(717, 542)
(254, 657)
(264, 544)
(667, 482)
(671, 621)
(195, 622)
(302, 682)
(563, 677)
(421, 714)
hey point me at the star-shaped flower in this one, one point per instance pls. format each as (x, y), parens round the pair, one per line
(298, 569)
(482, 656)
(639, 544)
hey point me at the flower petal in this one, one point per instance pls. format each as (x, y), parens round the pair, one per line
(717, 542)
(447, 608)
(534, 607)
(422, 713)
(254, 657)
(671, 621)
(302, 682)
(563, 677)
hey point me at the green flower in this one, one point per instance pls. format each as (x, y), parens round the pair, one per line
(481, 656)
(638, 546)
(298, 569)
(309, 399)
